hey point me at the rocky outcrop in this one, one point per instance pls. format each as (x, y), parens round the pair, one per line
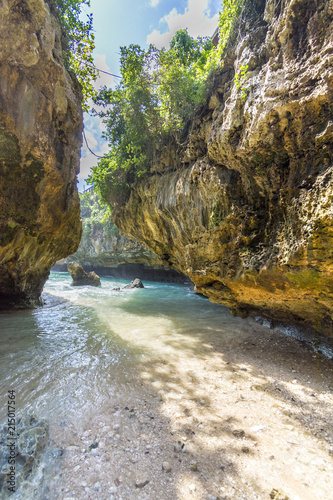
(110, 253)
(106, 247)
(80, 277)
(245, 210)
(40, 140)
(136, 283)
(104, 250)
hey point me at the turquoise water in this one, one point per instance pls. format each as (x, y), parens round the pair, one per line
(84, 337)
(90, 351)
(84, 345)
(80, 354)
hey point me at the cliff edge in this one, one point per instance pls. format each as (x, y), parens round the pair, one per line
(40, 141)
(245, 208)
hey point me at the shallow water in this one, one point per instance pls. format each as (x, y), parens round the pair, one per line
(77, 356)
(89, 355)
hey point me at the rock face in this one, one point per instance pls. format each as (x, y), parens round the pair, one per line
(101, 248)
(40, 140)
(245, 210)
(116, 255)
(104, 250)
(80, 277)
(136, 283)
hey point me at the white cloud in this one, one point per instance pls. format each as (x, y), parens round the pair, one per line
(195, 19)
(91, 139)
(93, 125)
(93, 133)
(89, 160)
(104, 79)
(154, 3)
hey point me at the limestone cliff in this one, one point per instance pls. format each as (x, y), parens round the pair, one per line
(109, 249)
(40, 140)
(101, 248)
(105, 250)
(244, 208)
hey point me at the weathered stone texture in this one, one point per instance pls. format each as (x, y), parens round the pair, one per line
(104, 250)
(40, 140)
(110, 249)
(246, 209)
(136, 283)
(80, 277)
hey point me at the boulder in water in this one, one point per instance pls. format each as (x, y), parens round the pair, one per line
(80, 277)
(136, 283)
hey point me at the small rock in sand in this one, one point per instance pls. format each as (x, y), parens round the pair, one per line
(179, 446)
(278, 495)
(166, 467)
(238, 433)
(141, 482)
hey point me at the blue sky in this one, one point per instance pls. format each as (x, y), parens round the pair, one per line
(122, 22)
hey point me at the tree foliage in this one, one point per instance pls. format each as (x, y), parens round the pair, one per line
(95, 217)
(227, 18)
(158, 93)
(79, 44)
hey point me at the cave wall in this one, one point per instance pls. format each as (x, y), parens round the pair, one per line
(245, 207)
(40, 139)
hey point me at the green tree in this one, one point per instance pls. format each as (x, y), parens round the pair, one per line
(230, 10)
(78, 44)
(181, 79)
(227, 17)
(188, 50)
(95, 216)
(158, 93)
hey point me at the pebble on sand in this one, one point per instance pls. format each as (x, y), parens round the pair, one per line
(166, 467)
(141, 482)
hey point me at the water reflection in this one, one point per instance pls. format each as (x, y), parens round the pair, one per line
(60, 359)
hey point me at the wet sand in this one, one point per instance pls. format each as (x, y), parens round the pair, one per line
(244, 413)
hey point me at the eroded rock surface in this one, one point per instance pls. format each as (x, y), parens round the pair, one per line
(110, 249)
(245, 208)
(40, 140)
(136, 283)
(80, 277)
(104, 250)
